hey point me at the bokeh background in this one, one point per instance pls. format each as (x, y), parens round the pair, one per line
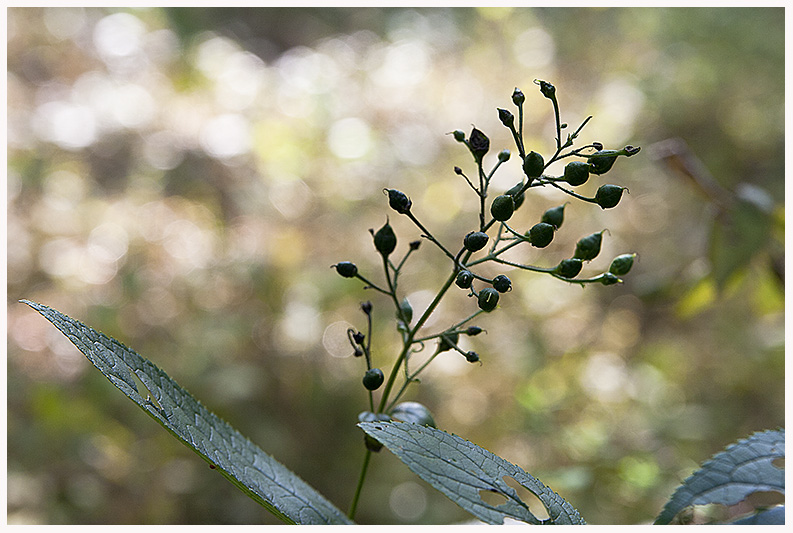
(182, 179)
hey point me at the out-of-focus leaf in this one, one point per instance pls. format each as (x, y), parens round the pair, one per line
(257, 474)
(460, 469)
(732, 475)
(739, 233)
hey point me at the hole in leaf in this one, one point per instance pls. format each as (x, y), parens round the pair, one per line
(779, 462)
(492, 497)
(144, 391)
(533, 502)
(764, 499)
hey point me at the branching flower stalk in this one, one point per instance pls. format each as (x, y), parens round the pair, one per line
(588, 160)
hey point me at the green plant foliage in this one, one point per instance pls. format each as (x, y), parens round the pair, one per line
(260, 476)
(730, 476)
(460, 469)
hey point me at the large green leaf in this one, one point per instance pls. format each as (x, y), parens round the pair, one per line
(730, 476)
(260, 476)
(462, 471)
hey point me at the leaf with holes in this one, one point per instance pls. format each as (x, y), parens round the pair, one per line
(748, 466)
(261, 477)
(463, 471)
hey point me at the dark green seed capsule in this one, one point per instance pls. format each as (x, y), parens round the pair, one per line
(373, 378)
(488, 299)
(554, 216)
(588, 247)
(622, 264)
(459, 135)
(602, 161)
(447, 341)
(346, 269)
(478, 143)
(533, 165)
(506, 117)
(518, 97)
(541, 234)
(502, 283)
(517, 198)
(608, 196)
(502, 207)
(569, 268)
(407, 310)
(398, 201)
(414, 413)
(372, 444)
(464, 279)
(503, 156)
(473, 331)
(475, 241)
(547, 89)
(472, 357)
(609, 279)
(576, 173)
(385, 240)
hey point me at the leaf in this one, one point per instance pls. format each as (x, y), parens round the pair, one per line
(732, 475)
(460, 469)
(257, 474)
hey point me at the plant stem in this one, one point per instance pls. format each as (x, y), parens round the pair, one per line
(358, 489)
(409, 340)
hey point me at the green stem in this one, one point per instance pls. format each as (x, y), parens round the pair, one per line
(358, 489)
(408, 342)
(428, 235)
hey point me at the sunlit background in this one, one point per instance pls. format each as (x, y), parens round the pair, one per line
(182, 180)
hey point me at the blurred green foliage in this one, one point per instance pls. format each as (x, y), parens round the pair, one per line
(181, 179)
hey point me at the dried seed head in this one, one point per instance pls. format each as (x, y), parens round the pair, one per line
(346, 269)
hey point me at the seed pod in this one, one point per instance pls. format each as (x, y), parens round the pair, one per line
(385, 240)
(472, 357)
(358, 337)
(568, 268)
(506, 117)
(503, 156)
(517, 198)
(473, 331)
(533, 165)
(478, 143)
(488, 299)
(602, 161)
(464, 279)
(366, 307)
(475, 241)
(608, 196)
(576, 173)
(547, 89)
(541, 234)
(502, 283)
(414, 245)
(346, 269)
(588, 247)
(554, 216)
(622, 264)
(447, 340)
(609, 279)
(398, 201)
(413, 413)
(518, 97)
(459, 135)
(407, 310)
(373, 378)
(502, 207)
(372, 444)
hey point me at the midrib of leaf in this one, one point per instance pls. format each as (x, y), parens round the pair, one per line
(247, 466)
